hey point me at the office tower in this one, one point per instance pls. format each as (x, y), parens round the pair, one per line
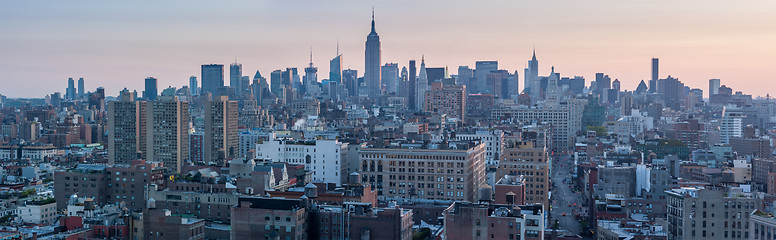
(350, 80)
(212, 78)
(553, 90)
(150, 92)
(532, 76)
(655, 76)
(260, 88)
(422, 86)
(403, 87)
(436, 74)
(235, 77)
(335, 69)
(602, 82)
(616, 85)
(402, 171)
(714, 85)
(81, 89)
(310, 77)
(220, 129)
(577, 84)
(481, 70)
(372, 67)
(193, 86)
(70, 92)
(390, 77)
(167, 132)
(465, 76)
(412, 85)
(673, 92)
(446, 99)
(498, 81)
(710, 213)
(124, 131)
(275, 81)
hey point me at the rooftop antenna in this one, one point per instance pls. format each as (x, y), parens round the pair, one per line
(338, 46)
(311, 56)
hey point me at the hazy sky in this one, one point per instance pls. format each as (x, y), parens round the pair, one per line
(116, 44)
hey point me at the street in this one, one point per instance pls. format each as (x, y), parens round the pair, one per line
(564, 199)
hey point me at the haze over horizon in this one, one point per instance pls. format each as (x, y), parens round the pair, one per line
(118, 44)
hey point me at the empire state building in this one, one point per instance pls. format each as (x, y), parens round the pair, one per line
(372, 68)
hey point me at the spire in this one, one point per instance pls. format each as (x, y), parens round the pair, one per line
(422, 58)
(311, 56)
(373, 21)
(337, 46)
(534, 54)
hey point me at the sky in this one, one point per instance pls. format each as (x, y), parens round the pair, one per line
(117, 44)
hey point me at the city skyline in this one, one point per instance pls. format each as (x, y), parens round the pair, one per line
(110, 46)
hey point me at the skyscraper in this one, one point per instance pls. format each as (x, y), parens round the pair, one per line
(533, 74)
(70, 93)
(150, 92)
(422, 86)
(193, 87)
(713, 87)
(335, 69)
(390, 77)
(167, 132)
(655, 76)
(465, 75)
(81, 88)
(212, 78)
(276, 81)
(481, 70)
(220, 129)
(235, 77)
(413, 83)
(310, 77)
(372, 66)
(350, 80)
(124, 129)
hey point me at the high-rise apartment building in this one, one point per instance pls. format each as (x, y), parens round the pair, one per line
(81, 88)
(220, 129)
(124, 131)
(167, 132)
(70, 92)
(372, 66)
(446, 99)
(451, 171)
(212, 77)
(150, 91)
